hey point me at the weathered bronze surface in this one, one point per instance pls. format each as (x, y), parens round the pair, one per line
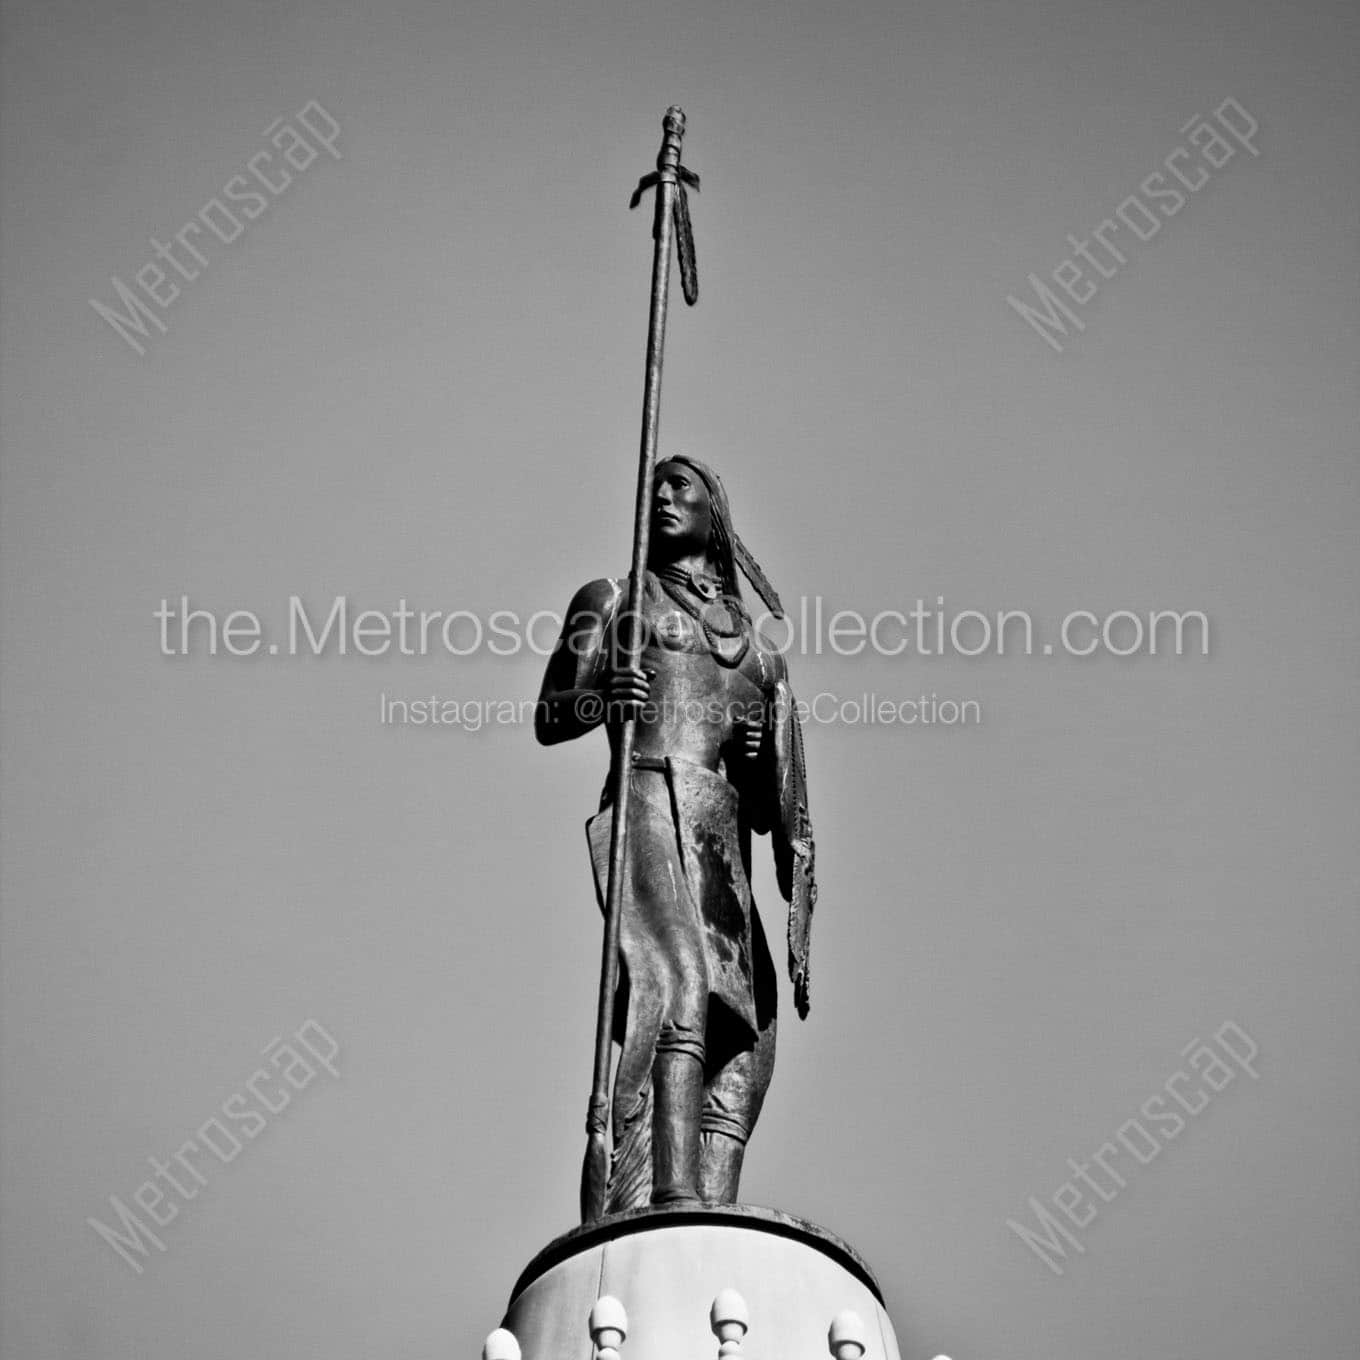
(716, 755)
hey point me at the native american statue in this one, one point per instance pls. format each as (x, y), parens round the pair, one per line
(716, 754)
(706, 754)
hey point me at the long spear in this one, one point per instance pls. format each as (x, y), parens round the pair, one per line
(670, 227)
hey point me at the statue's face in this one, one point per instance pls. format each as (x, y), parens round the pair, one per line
(682, 515)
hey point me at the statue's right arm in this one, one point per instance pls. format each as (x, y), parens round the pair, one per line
(572, 699)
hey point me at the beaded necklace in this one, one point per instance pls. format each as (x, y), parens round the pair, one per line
(678, 582)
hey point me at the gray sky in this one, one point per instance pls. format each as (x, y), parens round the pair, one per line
(418, 376)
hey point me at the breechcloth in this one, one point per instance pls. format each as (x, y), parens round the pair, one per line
(697, 975)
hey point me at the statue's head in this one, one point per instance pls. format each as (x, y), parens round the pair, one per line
(682, 511)
(690, 514)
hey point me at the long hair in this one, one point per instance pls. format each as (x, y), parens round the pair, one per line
(726, 550)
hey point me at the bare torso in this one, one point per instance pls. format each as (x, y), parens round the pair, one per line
(698, 705)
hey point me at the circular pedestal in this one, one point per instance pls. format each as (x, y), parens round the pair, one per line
(667, 1264)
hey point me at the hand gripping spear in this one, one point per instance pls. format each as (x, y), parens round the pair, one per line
(670, 228)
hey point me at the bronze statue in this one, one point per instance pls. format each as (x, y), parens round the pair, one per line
(716, 755)
(705, 748)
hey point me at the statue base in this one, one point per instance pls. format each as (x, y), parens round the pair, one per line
(667, 1265)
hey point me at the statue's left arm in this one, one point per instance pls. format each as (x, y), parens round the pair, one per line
(777, 802)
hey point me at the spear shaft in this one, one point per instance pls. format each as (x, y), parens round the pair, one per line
(595, 1172)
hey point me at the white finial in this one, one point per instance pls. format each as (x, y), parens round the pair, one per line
(845, 1338)
(608, 1327)
(500, 1345)
(729, 1318)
